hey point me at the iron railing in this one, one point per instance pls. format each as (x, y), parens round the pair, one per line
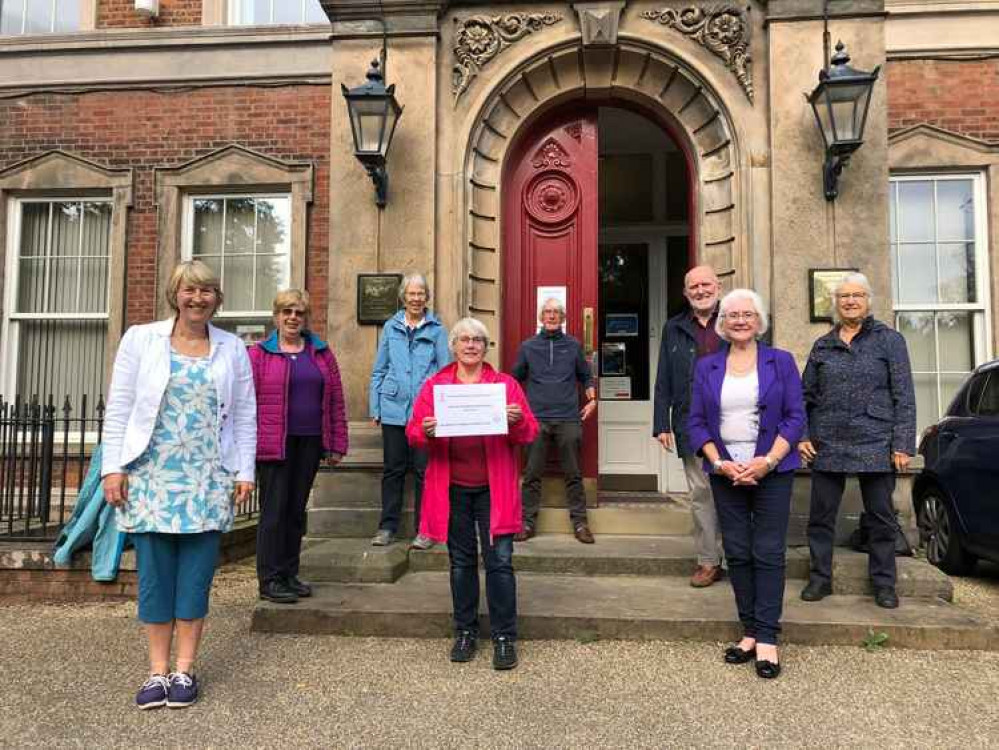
(45, 454)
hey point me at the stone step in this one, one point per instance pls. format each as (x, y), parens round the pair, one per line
(623, 608)
(355, 560)
(639, 519)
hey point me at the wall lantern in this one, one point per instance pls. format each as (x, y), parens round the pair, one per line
(374, 113)
(840, 103)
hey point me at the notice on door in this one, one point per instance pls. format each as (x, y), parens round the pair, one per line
(615, 389)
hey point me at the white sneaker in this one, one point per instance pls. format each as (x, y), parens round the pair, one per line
(421, 541)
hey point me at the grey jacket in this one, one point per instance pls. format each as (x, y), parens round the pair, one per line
(860, 400)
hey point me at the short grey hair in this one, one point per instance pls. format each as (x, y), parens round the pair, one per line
(470, 326)
(558, 304)
(737, 294)
(413, 278)
(850, 278)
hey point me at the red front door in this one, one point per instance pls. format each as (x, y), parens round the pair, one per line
(550, 237)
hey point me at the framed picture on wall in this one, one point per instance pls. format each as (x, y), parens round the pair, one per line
(821, 282)
(377, 297)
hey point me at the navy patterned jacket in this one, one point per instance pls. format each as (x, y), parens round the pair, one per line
(860, 400)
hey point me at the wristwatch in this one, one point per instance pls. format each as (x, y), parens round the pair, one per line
(716, 465)
(771, 463)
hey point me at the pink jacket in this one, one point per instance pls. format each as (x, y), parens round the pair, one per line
(271, 374)
(502, 457)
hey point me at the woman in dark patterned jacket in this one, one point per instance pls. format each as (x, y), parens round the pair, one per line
(861, 420)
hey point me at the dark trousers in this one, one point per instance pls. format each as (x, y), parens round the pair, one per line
(284, 492)
(568, 436)
(876, 489)
(470, 513)
(753, 523)
(399, 459)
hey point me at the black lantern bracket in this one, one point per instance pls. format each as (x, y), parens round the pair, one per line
(840, 103)
(374, 114)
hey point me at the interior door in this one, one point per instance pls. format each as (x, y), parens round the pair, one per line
(550, 225)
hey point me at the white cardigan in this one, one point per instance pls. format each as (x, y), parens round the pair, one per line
(139, 381)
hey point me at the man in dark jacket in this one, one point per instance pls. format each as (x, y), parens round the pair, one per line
(685, 338)
(550, 365)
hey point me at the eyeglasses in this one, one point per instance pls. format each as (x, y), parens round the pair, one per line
(466, 340)
(192, 291)
(289, 312)
(852, 295)
(552, 312)
(747, 316)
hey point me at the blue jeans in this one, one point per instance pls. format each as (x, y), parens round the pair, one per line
(470, 513)
(753, 523)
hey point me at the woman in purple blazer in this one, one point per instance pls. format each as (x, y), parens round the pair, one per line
(746, 417)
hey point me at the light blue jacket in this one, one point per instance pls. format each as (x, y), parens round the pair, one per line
(92, 524)
(404, 361)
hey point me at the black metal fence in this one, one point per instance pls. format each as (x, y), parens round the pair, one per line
(45, 451)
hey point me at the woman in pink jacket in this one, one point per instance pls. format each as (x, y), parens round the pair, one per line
(472, 484)
(300, 418)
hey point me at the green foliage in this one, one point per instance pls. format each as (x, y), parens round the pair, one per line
(875, 641)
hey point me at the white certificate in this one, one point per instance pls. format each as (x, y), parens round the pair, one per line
(478, 409)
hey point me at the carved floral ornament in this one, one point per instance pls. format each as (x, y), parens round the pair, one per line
(479, 39)
(722, 29)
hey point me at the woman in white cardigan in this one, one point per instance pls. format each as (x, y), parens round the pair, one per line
(180, 440)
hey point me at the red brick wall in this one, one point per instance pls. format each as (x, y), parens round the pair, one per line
(144, 130)
(960, 96)
(120, 14)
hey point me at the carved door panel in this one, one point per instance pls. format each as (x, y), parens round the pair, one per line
(550, 236)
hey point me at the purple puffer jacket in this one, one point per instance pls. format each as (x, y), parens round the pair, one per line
(271, 373)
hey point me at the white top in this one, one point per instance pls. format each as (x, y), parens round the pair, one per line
(740, 414)
(139, 381)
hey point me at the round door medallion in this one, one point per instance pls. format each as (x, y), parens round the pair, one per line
(551, 197)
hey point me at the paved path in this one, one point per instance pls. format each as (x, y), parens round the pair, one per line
(67, 675)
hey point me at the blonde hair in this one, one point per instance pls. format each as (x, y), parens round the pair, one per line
(194, 272)
(287, 297)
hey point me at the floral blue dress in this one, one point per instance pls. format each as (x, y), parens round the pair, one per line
(178, 485)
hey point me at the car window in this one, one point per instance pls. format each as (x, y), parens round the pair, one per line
(967, 402)
(988, 406)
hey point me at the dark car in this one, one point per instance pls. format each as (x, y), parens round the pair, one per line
(956, 496)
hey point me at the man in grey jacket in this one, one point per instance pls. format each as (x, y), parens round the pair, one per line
(685, 338)
(550, 365)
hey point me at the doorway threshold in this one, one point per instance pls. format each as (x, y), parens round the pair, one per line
(631, 497)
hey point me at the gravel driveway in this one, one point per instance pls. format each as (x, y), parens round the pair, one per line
(68, 674)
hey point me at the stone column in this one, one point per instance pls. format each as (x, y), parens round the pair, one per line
(808, 230)
(364, 238)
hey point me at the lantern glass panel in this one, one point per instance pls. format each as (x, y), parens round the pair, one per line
(369, 122)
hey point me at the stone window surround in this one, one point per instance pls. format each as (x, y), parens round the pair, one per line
(60, 174)
(933, 150)
(232, 170)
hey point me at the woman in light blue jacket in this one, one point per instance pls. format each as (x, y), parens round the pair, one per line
(180, 438)
(413, 347)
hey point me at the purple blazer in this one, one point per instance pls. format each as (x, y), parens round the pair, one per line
(782, 409)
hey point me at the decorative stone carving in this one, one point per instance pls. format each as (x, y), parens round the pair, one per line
(478, 39)
(551, 197)
(575, 130)
(550, 155)
(598, 22)
(723, 29)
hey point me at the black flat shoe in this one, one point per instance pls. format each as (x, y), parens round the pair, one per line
(767, 669)
(735, 655)
(276, 591)
(816, 591)
(886, 597)
(300, 587)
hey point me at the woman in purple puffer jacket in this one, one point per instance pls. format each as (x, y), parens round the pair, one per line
(300, 419)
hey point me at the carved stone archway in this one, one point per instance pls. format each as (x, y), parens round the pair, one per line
(662, 85)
